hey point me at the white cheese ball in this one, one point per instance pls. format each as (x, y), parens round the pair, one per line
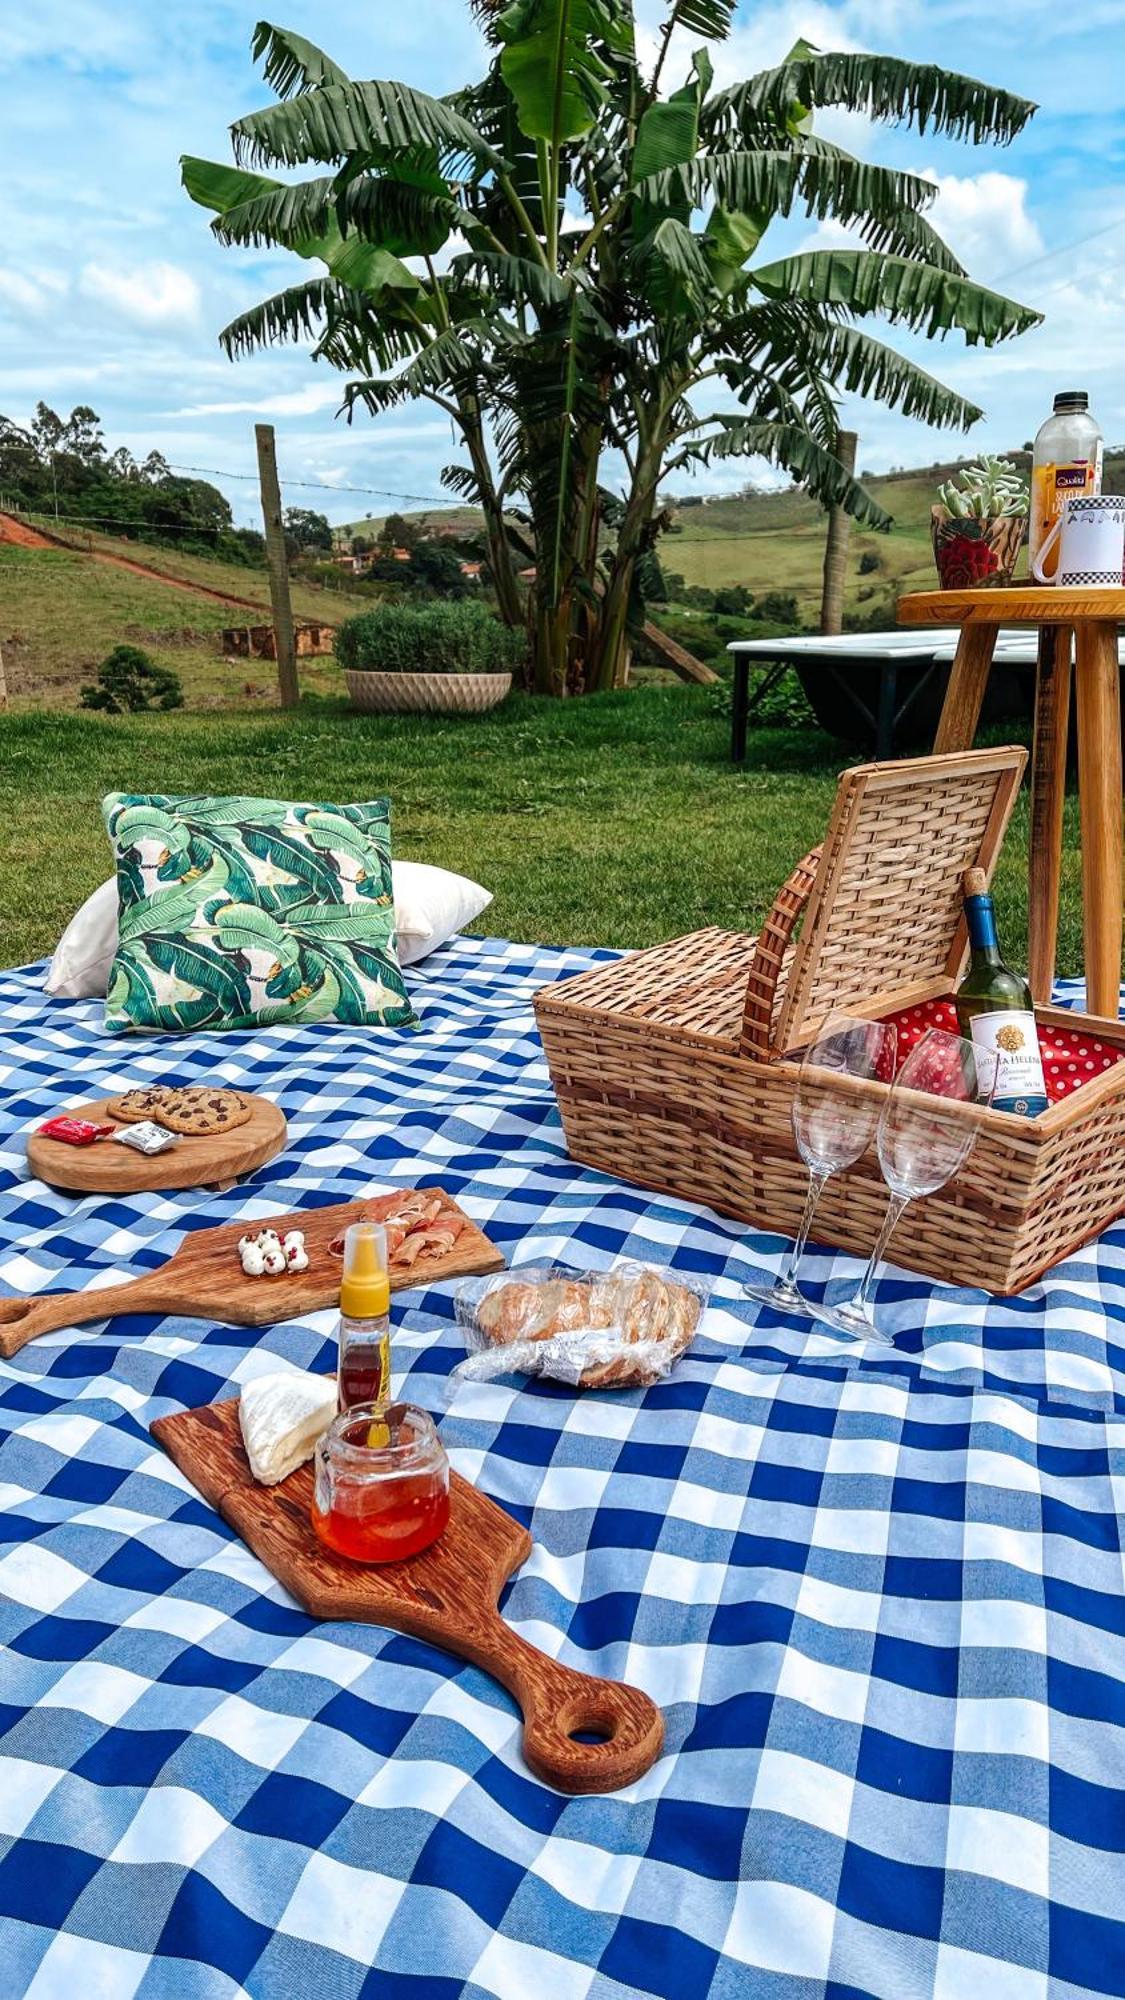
(294, 1239)
(268, 1239)
(253, 1260)
(297, 1257)
(273, 1262)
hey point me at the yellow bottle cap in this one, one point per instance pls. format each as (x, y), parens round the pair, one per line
(365, 1290)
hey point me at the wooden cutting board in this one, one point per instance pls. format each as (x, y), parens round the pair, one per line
(449, 1594)
(211, 1161)
(203, 1279)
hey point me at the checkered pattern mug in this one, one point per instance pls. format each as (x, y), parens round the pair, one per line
(1091, 536)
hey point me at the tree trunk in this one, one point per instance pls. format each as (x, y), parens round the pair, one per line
(551, 645)
(836, 545)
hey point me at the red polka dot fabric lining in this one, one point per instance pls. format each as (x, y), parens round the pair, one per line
(1071, 1057)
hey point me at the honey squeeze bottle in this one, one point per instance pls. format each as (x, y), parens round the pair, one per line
(364, 1369)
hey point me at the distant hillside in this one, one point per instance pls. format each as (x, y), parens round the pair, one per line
(775, 541)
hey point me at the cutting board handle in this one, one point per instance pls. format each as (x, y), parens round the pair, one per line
(22, 1320)
(561, 1706)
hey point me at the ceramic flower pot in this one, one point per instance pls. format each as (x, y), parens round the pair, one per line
(970, 554)
(433, 694)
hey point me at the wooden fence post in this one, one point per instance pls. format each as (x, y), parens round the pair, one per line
(284, 641)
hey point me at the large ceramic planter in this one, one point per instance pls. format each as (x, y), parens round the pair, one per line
(970, 554)
(427, 694)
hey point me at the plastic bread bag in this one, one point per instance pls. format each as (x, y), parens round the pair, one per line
(624, 1327)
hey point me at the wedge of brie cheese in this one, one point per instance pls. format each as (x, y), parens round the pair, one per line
(282, 1417)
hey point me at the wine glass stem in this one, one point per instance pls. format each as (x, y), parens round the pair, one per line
(816, 1189)
(894, 1210)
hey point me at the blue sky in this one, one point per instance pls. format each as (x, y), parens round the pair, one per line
(112, 290)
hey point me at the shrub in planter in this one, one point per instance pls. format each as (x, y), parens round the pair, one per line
(430, 639)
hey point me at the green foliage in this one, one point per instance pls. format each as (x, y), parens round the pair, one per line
(602, 219)
(778, 607)
(733, 600)
(430, 639)
(61, 466)
(306, 529)
(869, 562)
(129, 681)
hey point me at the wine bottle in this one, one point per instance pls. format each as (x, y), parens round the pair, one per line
(995, 1013)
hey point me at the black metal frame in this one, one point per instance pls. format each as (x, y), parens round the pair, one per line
(883, 722)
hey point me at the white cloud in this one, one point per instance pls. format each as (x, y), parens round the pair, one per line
(19, 291)
(984, 219)
(154, 294)
(291, 403)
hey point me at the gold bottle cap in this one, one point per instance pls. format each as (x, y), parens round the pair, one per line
(365, 1289)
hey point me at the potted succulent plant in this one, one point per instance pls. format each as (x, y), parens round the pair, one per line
(979, 524)
(438, 657)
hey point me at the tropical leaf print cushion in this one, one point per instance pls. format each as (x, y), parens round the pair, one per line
(239, 913)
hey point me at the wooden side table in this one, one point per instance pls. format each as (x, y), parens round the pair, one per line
(1093, 617)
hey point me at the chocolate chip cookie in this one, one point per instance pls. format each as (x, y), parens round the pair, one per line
(195, 1111)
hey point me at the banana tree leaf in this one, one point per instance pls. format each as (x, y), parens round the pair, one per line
(549, 65)
(799, 453)
(923, 94)
(252, 208)
(291, 63)
(731, 237)
(668, 134)
(920, 295)
(336, 120)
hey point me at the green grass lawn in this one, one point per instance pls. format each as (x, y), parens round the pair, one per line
(615, 820)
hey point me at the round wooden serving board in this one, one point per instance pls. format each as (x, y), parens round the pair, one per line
(210, 1161)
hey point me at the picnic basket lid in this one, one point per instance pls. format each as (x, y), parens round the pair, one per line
(883, 924)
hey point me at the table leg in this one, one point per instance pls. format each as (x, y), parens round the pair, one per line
(740, 700)
(1048, 793)
(885, 726)
(1097, 679)
(968, 679)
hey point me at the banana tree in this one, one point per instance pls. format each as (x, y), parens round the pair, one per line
(564, 254)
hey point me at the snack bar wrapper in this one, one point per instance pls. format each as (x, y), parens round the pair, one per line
(620, 1328)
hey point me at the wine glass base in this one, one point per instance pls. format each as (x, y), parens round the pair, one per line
(783, 1298)
(852, 1322)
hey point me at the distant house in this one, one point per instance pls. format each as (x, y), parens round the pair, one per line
(471, 571)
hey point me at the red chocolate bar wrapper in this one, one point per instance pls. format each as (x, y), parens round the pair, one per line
(73, 1131)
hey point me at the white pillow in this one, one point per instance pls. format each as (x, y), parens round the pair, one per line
(430, 905)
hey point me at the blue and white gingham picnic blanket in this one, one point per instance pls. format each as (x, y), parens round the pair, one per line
(878, 1595)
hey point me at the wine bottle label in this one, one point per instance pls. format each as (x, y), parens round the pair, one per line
(1008, 1061)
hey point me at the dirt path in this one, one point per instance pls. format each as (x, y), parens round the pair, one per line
(15, 530)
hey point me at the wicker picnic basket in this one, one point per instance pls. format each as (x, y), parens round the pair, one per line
(675, 1068)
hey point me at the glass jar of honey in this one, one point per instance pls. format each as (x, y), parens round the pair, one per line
(381, 1483)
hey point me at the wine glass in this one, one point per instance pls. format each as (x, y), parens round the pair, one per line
(834, 1118)
(926, 1133)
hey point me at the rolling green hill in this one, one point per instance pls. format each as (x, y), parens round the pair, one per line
(775, 541)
